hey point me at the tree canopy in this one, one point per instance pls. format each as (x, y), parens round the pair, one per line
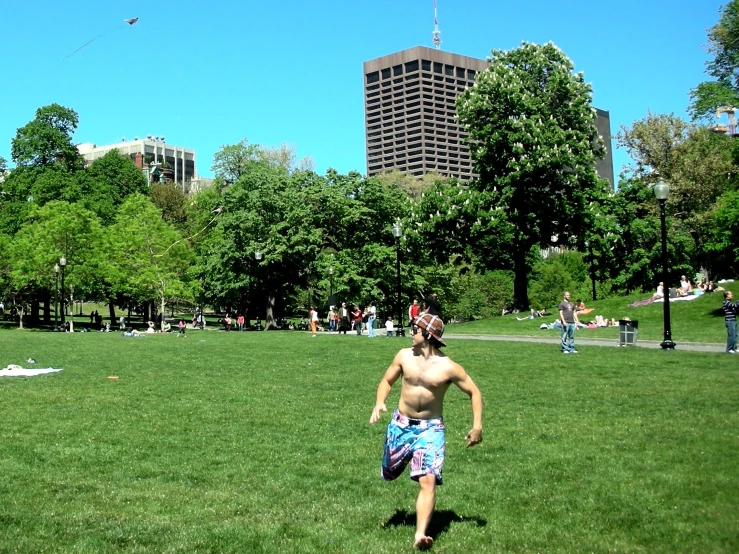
(532, 135)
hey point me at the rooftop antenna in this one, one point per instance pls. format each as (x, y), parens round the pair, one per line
(437, 33)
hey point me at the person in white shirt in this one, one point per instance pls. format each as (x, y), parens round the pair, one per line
(371, 316)
(389, 327)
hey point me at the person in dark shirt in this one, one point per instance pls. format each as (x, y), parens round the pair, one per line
(730, 309)
(569, 320)
(433, 306)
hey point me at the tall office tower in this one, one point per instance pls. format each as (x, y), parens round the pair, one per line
(410, 114)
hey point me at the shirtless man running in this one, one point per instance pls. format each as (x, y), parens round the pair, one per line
(415, 434)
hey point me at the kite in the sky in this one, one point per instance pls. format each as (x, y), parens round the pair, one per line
(130, 22)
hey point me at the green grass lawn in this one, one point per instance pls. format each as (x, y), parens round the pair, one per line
(700, 320)
(260, 442)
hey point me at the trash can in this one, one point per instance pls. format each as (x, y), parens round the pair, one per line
(627, 332)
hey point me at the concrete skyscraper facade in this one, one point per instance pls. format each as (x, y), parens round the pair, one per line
(410, 114)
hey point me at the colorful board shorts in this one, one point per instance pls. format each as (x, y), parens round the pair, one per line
(419, 442)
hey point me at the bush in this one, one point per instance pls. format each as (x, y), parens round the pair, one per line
(476, 296)
(550, 280)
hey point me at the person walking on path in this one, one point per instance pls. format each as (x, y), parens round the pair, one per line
(730, 309)
(313, 320)
(415, 433)
(371, 316)
(181, 326)
(331, 319)
(413, 311)
(345, 318)
(569, 321)
(358, 320)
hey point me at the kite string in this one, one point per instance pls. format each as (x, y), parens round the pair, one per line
(188, 238)
(94, 39)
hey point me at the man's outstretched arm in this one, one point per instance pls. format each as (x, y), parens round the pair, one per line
(468, 386)
(383, 389)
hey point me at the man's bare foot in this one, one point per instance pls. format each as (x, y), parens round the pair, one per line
(423, 543)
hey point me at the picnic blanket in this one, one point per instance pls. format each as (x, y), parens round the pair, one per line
(18, 371)
(679, 299)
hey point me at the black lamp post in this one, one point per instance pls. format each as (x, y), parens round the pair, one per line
(661, 192)
(397, 233)
(331, 286)
(592, 269)
(63, 264)
(258, 258)
(56, 296)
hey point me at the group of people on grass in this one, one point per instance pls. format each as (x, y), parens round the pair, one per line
(686, 288)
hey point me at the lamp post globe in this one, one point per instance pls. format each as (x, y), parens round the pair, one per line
(662, 192)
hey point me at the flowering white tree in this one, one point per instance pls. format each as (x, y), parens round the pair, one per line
(532, 135)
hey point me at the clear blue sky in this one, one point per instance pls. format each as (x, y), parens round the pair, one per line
(206, 74)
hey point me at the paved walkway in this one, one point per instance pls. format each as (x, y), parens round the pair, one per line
(654, 344)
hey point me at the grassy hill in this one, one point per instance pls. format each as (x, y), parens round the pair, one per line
(700, 320)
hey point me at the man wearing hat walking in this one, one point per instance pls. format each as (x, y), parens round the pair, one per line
(415, 433)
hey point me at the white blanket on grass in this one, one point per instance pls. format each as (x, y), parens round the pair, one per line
(18, 371)
(679, 299)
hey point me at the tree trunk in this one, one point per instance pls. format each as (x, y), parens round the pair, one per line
(111, 309)
(33, 315)
(270, 313)
(47, 307)
(520, 280)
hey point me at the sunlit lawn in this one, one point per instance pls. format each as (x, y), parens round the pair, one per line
(259, 442)
(699, 320)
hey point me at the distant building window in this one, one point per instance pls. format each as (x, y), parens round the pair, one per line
(449, 70)
(460, 72)
(373, 77)
(397, 70)
(471, 73)
(411, 66)
(386, 73)
(426, 65)
(438, 68)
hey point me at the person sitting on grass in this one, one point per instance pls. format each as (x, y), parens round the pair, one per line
(534, 314)
(660, 291)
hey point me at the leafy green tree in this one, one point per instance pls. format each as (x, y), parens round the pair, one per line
(533, 137)
(104, 185)
(638, 248)
(699, 166)
(172, 201)
(57, 229)
(651, 142)
(150, 257)
(47, 140)
(723, 46)
(722, 243)
(268, 211)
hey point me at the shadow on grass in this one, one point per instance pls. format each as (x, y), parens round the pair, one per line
(440, 521)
